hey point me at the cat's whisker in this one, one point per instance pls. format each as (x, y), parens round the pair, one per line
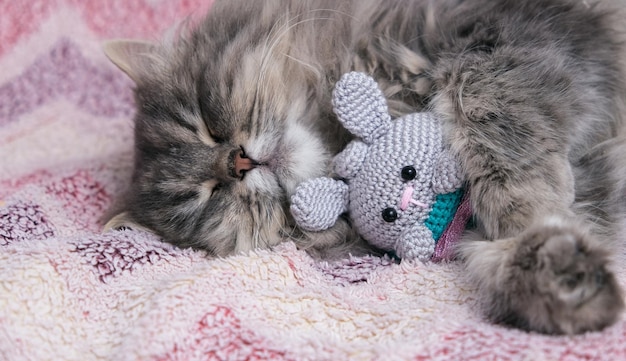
(313, 69)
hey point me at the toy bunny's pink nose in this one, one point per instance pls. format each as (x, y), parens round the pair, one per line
(407, 198)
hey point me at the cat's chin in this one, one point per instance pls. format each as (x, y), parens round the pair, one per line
(288, 159)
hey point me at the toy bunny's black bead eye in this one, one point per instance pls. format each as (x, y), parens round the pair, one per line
(390, 215)
(408, 173)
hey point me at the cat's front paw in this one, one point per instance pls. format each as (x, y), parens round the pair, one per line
(553, 278)
(557, 281)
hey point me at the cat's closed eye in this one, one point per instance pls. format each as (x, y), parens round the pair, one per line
(216, 138)
(207, 136)
(210, 188)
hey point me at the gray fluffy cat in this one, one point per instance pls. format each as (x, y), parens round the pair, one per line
(236, 111)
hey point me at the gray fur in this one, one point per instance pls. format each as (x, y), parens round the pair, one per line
(236, 112)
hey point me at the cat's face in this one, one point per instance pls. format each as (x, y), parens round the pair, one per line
(221, 142)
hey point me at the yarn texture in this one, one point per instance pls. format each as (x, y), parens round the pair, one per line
(400, 185)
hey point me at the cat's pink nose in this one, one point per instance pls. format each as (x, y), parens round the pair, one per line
(243, 164)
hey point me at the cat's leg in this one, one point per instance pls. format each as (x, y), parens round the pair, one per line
(539, 264)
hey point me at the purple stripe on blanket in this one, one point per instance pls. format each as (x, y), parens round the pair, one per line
(22, 221)
(352, 270)
(117, 252)
(65, 73)
(84, 199)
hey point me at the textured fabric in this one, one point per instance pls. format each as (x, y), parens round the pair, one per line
(442, 212)
(69, 293)
(444, 250)
(403, 185)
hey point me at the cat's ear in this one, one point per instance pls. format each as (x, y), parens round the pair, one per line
(131, 56)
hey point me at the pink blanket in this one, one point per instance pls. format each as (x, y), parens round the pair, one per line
(69, 292)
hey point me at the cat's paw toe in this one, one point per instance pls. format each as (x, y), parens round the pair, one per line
(558, 281)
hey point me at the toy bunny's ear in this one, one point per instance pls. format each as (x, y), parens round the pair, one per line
(361, 106)
(318, 202)
(348, 163)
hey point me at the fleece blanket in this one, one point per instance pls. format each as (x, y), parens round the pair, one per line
(70, 292)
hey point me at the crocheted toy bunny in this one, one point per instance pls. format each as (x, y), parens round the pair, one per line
(402, 187)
